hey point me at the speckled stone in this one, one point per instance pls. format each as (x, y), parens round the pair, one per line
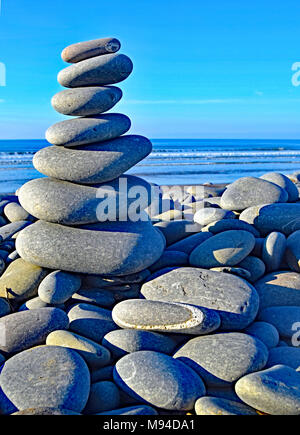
(293, 251)
(4, 307)
(159, 380)
(233, 298)
(91, 321)
(255, 266)
(287, 355)
(96, 296)
(165, 317)
(123, 341)
(265, 332)
(283, 318)
(205, 216)
(58, 287)
(27, 379)
(273, 250)
(170, 258)
(94, 354)
(132, 410)
(273, 217)
(85, 50)
(104, 396)
(221, 359)
(21, 279)
(279, 289)
(102, 70)
(116, 248)
(7, 231)
(46, 411)
(96, 163)
(15, 213)
(174, 231)
(250, 191)
(73, 204)
(83, 131)
(25, 329)
(188, 244)
(275, 391)
(224, 249)
(230, 224)
(284, 182)
(218, 406)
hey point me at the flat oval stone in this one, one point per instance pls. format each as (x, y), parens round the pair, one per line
(265, 332)
(218, 406)
(279, 289)
(284, 182)
(273, 250)
(123, 341)
(205, 216)
(86, 101)
(94, 354)
(230, 224)
(165, 317)
(159, 380)
(85, 50)
(104, 396)
(58, 287)
(83, 131)
(132, 410)
(170, 258)
(116, 248)
(25, 329)
(72, 204)
(46, 376)
(20, 281)
(188, 244)
(234, 299)
(255, 266)
(91, 321)
(287, 355)
(224, 249)
(293, 251)
(273, 217)
(250, 191)
(15, 213)
(283, 318)
(275, 391)
(221, 359)
(102, 70)
(97, 163)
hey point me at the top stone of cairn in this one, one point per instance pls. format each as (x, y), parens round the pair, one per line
(85, 50)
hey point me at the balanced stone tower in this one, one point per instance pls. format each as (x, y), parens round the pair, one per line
(84, 167)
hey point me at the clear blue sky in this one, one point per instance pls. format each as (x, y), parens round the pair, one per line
(202, 69)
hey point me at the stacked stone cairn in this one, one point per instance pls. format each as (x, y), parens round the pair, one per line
(193, 311)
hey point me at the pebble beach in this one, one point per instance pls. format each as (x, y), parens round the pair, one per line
(122, 297)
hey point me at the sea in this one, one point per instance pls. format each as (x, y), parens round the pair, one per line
(172, 161)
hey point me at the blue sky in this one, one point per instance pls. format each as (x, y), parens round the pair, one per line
(202, 69)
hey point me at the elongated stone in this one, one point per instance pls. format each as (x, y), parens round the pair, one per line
(234, 299)
(107, 69)
(82, 131)
(165, 317)
(58, 287)
(116, 248)
(68, 203)
(284, 182)
(273, 250)
(86, 101)
(97, 163)
(7, 231)
(230, 224)
(84, 50)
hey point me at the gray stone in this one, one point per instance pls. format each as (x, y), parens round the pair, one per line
(91, 321)
(85, 50)
(174, 231)
(221, 359)
(97, 296)
(218, 406)
(188, 244)
(25, 329)
(4, 307)
(238, 271)
(250, 191)
(273, 250)
(58, 287)
(234, 299)
(73, 204)
(170, 258)
(287, 355)
(116, 248)
(34, 303)
(274, 391)
(255, 266)
(265, 332)
(165, 317)
(159, 380)
(46, 411)
(102, 70)
(7, 231)
(279, 289)
(273, 217)
(283, 318)
(293, 251)
(82, 131)
(94, 354)
(224, 249)
(96, 163)
(46, 376)
(132, 410)
(123, 341)
(15, 213)
(284, 182)
(104, 396)
(230, 224)
(205, 216)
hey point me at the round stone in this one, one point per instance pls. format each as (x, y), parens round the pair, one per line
(159, 380)
(85, 50)
(285, 319)
(102, 70)
(205, 216)
(284, 182)
(104, 396)
(82, 131)
(222, 359)
(58, 287)
(255, 266)
(224, 249)
(218, 406)
(46, 376)
(273, 250)
(265, 332)
(15, 213)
